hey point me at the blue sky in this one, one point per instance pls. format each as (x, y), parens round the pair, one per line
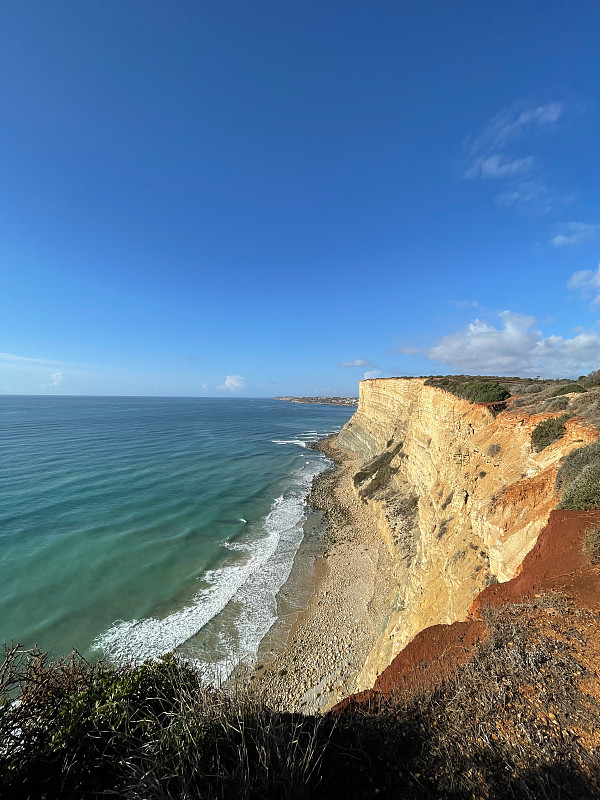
(218, 198)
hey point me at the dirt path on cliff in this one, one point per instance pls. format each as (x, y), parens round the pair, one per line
(328, 645)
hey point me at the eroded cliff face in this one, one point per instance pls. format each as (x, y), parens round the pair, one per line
(458, 495)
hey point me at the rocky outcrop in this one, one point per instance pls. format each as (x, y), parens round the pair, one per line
(457, 494)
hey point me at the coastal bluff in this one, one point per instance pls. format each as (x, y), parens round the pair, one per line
(456, 492)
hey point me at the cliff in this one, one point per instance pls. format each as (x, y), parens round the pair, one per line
(457, 494)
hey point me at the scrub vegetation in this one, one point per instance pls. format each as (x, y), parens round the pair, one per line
(513, 722)
(578, 479)
(376, 473)
(570, 388)
(474, 389)
(591, 544)
(548, 432)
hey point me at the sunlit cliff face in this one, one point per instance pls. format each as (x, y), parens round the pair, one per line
(459, 503)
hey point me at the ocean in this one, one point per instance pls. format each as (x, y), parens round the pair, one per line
(133, 526)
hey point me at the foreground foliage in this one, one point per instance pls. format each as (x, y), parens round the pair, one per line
(149, 731)
(514, 722)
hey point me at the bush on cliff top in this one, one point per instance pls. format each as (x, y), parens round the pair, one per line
(593, 378)
(578, 479)
(548, 431)
(476, 390)
(575, 463)
(583, 494)
(569, 389)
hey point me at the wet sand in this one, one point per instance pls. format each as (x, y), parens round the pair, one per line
(328, 643)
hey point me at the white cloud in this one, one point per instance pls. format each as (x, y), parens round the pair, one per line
(359, 362)
(27, 375)
(528, 197)
(575, 233)
(511, 123)
(586, 281)
(233, 383)
(487, 157)
(498, 166)
(373, 373)
(516, 347)
(460, 304)
(11, 358)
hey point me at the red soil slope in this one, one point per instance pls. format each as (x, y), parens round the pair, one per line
(556, 563)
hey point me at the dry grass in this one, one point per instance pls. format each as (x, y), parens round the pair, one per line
(154, 731)
(510, 723)
(578, 479)
(517, 721)
(591, 544)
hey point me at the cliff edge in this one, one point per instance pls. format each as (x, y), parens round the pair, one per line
(457, 493)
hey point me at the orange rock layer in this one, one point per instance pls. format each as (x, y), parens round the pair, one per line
(556, 563)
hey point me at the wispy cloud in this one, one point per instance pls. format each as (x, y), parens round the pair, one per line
(515, 346)
(359, 362)
(26, 374)
(373, 373)
(512, 123)
(587, 282)
(498, 166)
(574, 233)
(233, 383)
(11, 358)
(529, 197)
(489, 156)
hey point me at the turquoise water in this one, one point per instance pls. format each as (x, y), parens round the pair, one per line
(135, 526)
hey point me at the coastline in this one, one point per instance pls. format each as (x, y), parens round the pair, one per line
(311, 662)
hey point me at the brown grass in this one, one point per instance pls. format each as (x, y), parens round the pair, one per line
(520, 720)
(591, 544)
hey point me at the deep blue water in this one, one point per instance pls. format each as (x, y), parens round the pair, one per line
(134, 526)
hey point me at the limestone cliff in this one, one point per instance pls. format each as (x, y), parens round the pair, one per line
(458, 495)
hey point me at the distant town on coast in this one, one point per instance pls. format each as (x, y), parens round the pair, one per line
(322, 401)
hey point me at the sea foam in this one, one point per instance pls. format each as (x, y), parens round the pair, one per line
(252, 584)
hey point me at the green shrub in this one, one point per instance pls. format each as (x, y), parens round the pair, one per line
(593, 379)
(583, 493)
(548, 432)
(474, 389)
(579, 479)
(558, 404)
(493, 450)
(591, 544)
(152, 731)
(576, 463)
(569, 389)
(481, 391)
(378, 471)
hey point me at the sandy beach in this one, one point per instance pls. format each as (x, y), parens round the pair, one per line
(330, 641)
